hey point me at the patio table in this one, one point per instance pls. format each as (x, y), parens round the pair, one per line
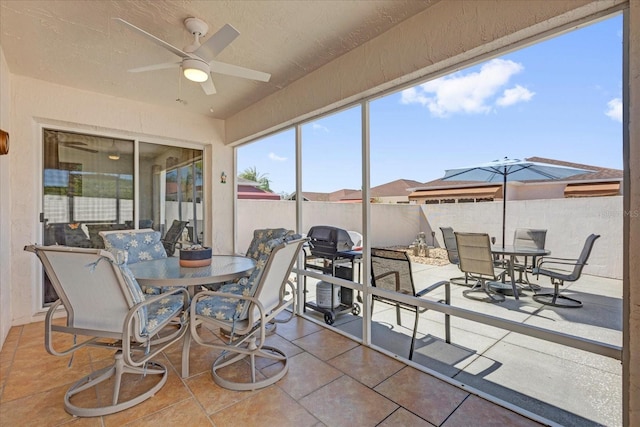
(513, 252)
(168, 272)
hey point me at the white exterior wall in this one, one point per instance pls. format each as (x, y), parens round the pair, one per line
(5, 201)
(35, 103)
(568, 221)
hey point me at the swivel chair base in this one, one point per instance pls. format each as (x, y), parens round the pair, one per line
(116, 370)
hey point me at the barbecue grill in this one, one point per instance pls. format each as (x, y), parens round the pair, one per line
(330, 249)
(326, 241)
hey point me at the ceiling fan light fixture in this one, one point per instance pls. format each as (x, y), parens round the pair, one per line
(194, 70)
(114, 153)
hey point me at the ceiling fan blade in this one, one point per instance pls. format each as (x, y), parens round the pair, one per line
(76, 145)
(217, 42)
(155, 67)
(155, 40)
(234, 70)
(208, 87)
(89, 150)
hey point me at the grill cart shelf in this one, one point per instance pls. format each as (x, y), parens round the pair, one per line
(326, 257)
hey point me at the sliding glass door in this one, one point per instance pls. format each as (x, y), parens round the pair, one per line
(89, 185)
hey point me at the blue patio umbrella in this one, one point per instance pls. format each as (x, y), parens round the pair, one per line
(512, 170)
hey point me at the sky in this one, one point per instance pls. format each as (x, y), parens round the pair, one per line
(560, 98)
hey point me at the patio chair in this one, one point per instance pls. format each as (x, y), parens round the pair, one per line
(452, 253)
(139, 246)
(106, 307)
(550, 267)
(476, 260)
(528, 238)
(391, 270)
(171, 239)
(239, 313)
(356, 238)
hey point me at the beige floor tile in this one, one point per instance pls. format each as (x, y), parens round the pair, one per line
(297, 328)
(404, 418)
(211, 396)
(184, 413)
(485, 413)
(422, 394)
(281, 344)
(173, 391)
(200, 357)
(346, 402)
(50, 373)
(268, 407)
(40, 409)
(10, 344)
(366, 365)
(84, 422)
(325, 344)
(306, 374)
(31, 357)
(32, 333)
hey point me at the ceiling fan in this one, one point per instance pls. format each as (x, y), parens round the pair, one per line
(77, 145)
(198, 59)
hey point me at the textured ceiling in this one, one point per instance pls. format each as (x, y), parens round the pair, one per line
(77, 44)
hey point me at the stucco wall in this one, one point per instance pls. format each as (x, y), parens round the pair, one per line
(5, 208)
(35, 103)
(568, 221)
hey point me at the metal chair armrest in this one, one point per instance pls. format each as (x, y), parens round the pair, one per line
(432, 287)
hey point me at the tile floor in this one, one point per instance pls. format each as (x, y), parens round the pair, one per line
(332, 381)
(567, 386)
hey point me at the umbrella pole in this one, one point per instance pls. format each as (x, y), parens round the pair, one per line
(504, 202)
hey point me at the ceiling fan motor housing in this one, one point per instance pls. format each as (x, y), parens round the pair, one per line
(196, 26)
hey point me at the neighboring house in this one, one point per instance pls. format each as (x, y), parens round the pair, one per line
(601, 182)
(343, 195)
(248, 189)
(392, 192)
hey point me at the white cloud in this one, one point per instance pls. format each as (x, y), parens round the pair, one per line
(317, 126)
(514, 95)
(471, 93)
(614, 109)
(275, 157)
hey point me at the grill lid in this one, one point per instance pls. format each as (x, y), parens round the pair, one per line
(326, 240)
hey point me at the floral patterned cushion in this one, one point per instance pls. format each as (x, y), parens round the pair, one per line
(134, 290)
(232, 309)
(140, 245)
(161, 311)
(153, 315)
(262, 236)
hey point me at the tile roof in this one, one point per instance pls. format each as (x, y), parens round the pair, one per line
(598, 174)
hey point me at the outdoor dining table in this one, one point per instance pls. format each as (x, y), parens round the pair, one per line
(513, 252)
(168, 272)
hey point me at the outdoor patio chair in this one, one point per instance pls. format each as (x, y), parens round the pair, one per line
(452, 253)
(551, 267)
(106, 307)
(139, 246)
(476, 260)
(356, 238)
(173, 235)
(391, 270)
(239, 314)
(527, 238)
